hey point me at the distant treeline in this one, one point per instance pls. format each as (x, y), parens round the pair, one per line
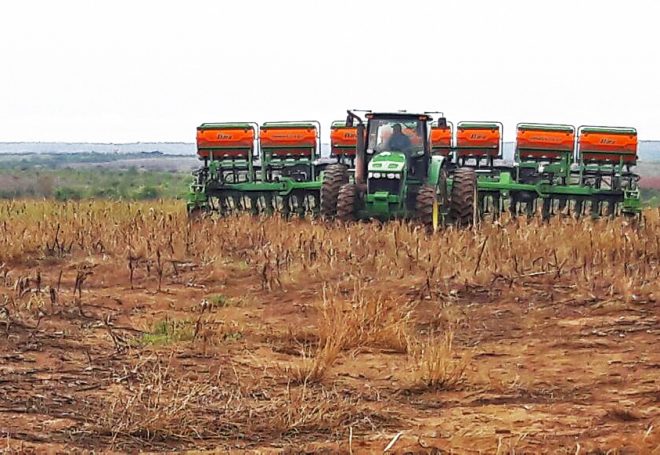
(58, 160)
(167, 148)
(75, 184)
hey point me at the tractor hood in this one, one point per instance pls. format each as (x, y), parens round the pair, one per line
(387, 162)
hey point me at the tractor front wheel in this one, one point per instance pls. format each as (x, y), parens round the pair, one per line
(347, 202)
(427, 206)
(197, 213)
(334, 177)
(463, 192)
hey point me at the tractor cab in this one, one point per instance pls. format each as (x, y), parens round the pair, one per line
(397, 143)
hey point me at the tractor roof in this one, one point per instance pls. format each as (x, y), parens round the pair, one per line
(398, 115)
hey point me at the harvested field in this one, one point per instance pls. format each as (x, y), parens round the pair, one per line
(124, 328)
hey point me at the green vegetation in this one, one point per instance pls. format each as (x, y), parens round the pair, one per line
(74, 184)
(171, 331)
(168, 331)
(650, 197)
(222, 301)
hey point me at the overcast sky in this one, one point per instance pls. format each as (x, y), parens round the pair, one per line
(121, 71)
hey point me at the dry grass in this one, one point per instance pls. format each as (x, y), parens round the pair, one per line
(156, 405)
(365, 320)
(435, 364)
(350, 324)
(312, 368)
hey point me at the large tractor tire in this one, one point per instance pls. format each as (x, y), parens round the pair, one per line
(463, 193)
(427, 207)
(347, 202)
(334, 177)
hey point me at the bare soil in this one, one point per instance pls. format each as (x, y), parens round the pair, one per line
(554, 362)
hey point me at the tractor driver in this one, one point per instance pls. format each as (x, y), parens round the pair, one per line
(399, 141)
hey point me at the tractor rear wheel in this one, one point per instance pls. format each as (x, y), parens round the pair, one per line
(463, 191)
(427, 206)
(347, 202)
(334, 177)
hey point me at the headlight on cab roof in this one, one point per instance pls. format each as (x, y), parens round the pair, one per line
(371, 175)
(376, 175)
(391, 175)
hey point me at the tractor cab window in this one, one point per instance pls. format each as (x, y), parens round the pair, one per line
(394, 135)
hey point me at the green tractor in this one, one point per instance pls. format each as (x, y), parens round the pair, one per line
(397, 177)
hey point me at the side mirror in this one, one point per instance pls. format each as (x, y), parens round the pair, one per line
(349, 121)
(442, 122)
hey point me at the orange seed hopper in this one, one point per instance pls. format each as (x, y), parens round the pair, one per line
(289, 139)
(225, 140)
(479, 140)
(544, 142)
(343, 139)
(607, 145)
(441, 139)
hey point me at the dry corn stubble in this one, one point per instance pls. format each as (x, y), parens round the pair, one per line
(582, 254)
